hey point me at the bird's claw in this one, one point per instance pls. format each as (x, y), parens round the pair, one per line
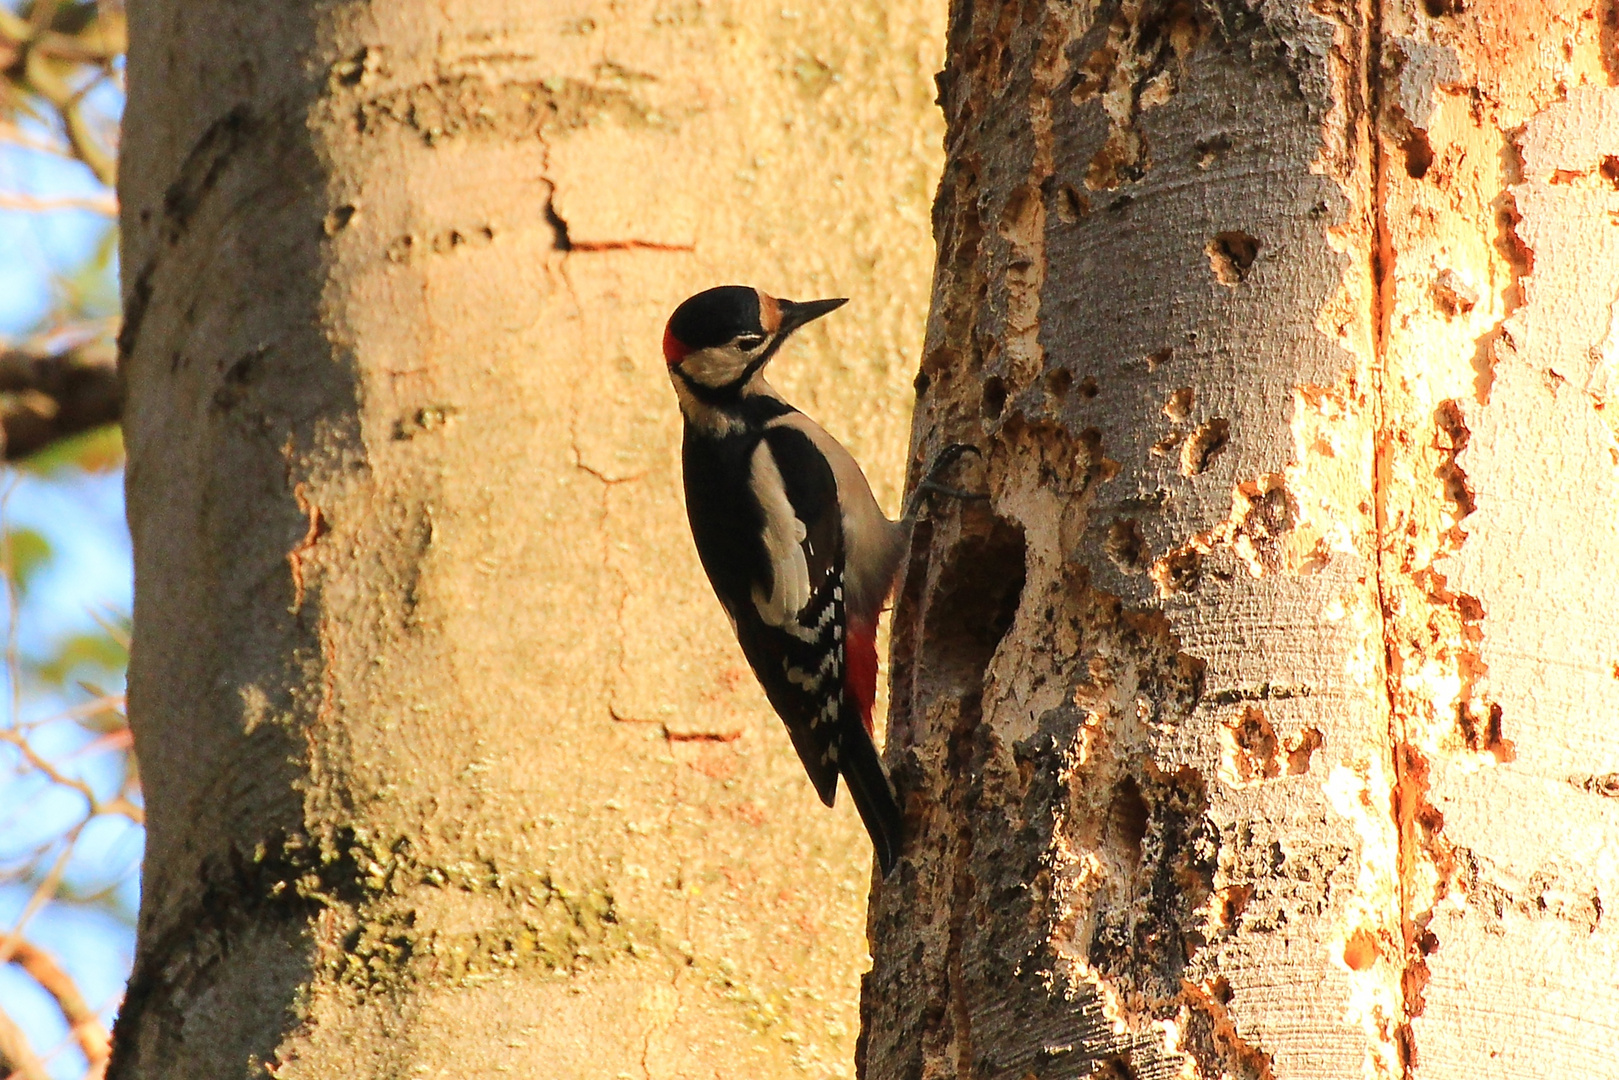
(930, 484)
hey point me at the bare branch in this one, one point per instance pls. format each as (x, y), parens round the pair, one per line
(49, 396)
(86, 1026)
(44, 893)
(53, 88)
(41, 204)
(17, 1058)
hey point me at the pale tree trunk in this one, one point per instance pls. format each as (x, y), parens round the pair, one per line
(1261, 723)
(453, 768)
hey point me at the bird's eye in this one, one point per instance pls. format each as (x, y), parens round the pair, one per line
(749, 342)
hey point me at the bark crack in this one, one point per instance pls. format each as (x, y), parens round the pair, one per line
(1407, 762)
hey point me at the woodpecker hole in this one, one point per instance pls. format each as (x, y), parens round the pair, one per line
(1088, 388)
(1439, 9)
(974, 604)
(1158, 359)
(1072, 206)
(1116, 1067)
(1418, 155)
(337, 220)
(1126, 546)
(1178, 572)
(994, 397)
(1179, 406)
(1610, 169)
(1059, 382)
(1128, 815)
(921, 383)
(1211, 150)
(1206, 444)
(1230, 903)
(1301, 750)
(1250, 750)
(1231, 256)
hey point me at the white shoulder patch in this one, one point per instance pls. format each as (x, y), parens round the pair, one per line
(784, 538)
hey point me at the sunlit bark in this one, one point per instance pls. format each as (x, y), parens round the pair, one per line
(1261, 724)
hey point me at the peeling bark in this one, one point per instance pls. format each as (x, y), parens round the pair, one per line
(1259, 725)
(452, 765)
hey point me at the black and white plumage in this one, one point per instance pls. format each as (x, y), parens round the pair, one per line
(791, 538)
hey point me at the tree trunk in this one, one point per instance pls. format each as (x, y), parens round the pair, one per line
(452, 765)
(1261, 722)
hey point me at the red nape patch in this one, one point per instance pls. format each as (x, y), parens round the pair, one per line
(673, 351)
(860, 667)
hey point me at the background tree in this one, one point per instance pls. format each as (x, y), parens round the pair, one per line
(1261, 724)
(452, 767)
(69, 803)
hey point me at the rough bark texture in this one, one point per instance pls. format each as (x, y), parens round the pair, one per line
(1261, 723)
(452, 765)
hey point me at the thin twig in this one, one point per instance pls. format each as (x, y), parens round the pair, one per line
(120, 634)
(65, 99)
(41, 764)
(13, 135)
(42, 895)
(42, 204)
(87, 1028)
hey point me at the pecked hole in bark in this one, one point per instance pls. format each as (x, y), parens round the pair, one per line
(974, 604)
(1418, 155)
(994, 397)
(1126, 545)
(1609, 168)
(1231, 256)
(1204, 446)
(1116, 1067)
(1128, 814)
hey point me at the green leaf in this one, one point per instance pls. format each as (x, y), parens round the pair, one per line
(98, 651)
(30, 552)
(100, 450)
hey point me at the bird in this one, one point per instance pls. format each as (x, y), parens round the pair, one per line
(792, 540)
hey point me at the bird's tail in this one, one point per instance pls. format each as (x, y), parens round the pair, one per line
(868, 786)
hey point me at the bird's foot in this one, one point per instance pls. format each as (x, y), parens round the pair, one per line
(930, 484)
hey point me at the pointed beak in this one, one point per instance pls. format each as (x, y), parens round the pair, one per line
(795, 314)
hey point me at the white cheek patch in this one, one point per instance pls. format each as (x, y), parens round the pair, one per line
(783, 535)
(718, 366)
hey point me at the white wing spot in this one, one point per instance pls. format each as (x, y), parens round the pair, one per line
(800, 677)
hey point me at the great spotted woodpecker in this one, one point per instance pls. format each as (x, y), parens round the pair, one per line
(792, 539)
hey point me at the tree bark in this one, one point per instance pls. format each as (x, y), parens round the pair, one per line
(1260, 724)
(451, 763)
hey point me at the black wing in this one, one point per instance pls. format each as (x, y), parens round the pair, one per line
(800, 663)
(794, 632)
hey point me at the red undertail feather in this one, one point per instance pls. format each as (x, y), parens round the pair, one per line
(860, 667)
